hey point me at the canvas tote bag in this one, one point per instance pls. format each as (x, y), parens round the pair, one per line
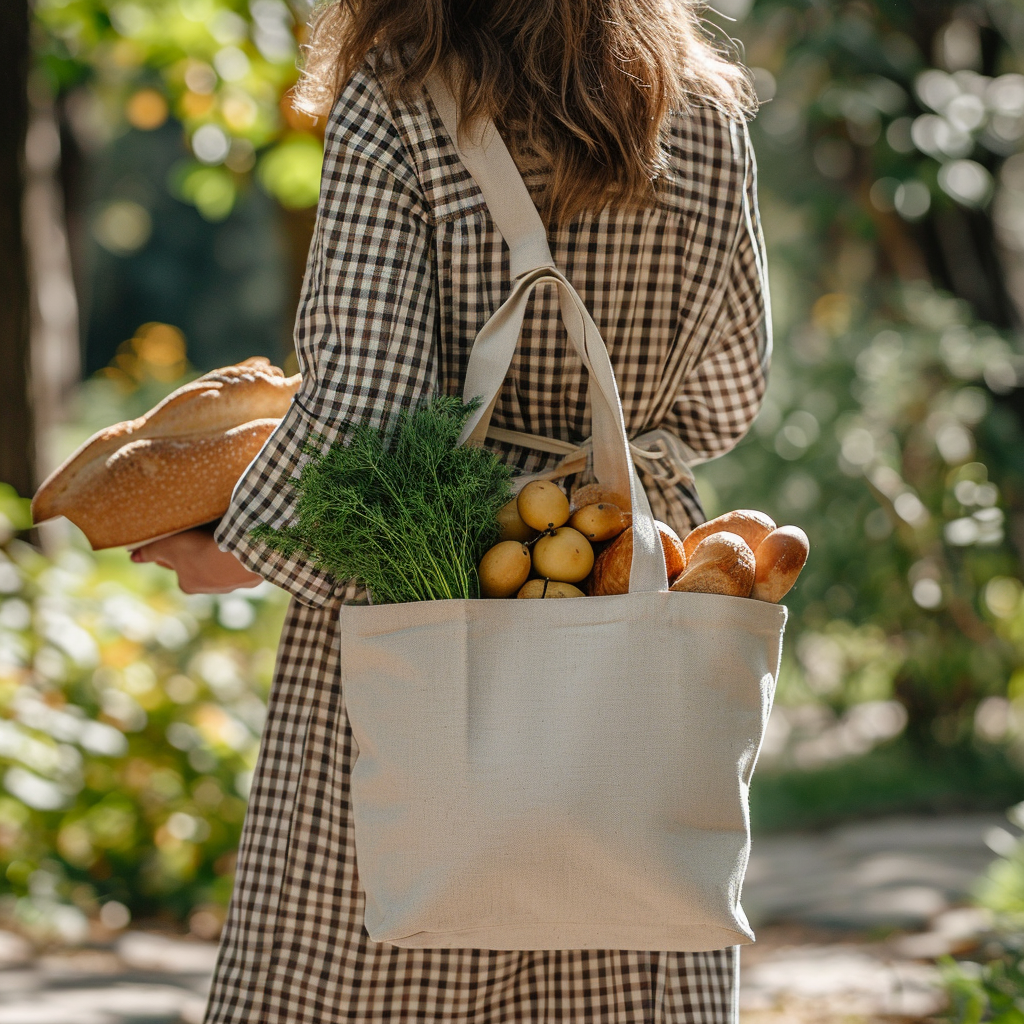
(565, 774)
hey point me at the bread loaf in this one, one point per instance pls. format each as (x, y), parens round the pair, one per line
(780, 558)
(721, 564)
(594, 494)
(611, 568)
(752, 526)
(176, 466)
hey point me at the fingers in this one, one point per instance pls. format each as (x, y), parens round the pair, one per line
(201, 567)
(158, 552)
(170, 549)
(148, 553)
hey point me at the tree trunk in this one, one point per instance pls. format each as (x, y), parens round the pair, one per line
(298, 229)
(17, 444)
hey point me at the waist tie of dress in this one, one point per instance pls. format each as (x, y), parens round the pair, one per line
(658, 452)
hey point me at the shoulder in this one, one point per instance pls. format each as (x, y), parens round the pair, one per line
(405, 134)
(708, 155)
(361, 125)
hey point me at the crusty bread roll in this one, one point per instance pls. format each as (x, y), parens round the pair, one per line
(780, 558)
(721, 564)
(610, 574)
(747, 523)
(594, 494)
(176, 466)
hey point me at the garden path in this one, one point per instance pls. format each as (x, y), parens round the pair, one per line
(848, 921)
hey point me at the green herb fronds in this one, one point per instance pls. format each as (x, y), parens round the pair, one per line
(408, 513)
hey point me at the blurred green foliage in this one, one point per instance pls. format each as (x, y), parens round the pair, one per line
(889, 148)
(221, 68)
(988, 984)
(912, 584)
(130, 717)
(897, 777)
(989, 992)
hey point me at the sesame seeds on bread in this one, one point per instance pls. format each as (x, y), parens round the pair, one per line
(173, 468)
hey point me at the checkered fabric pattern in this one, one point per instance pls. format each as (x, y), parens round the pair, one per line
(404, 269)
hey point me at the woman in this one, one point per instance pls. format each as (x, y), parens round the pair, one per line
(630, 130)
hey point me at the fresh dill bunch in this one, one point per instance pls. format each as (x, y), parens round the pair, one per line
(408, 513)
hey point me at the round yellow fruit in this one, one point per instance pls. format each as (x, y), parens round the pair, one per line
(512, 525)
(504, 569)
(599, 522)
(565, 555)
(543, 506)
(549, 589)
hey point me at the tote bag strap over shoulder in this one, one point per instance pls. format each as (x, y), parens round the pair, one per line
(491, 165)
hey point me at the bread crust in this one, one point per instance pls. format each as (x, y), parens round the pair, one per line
(722, 563)
(595, 494)
(751, 525)
(176, 466)
(612, 566)
(780, 558)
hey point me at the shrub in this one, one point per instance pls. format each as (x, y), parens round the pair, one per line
(130, 717)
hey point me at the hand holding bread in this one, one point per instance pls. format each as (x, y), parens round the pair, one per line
(201, 567)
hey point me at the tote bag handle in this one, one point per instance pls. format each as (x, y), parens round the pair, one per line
(491, 165)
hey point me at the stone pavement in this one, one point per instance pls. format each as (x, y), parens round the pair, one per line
(799, 976)
(141, 978)
(847, 921)
(893, 873)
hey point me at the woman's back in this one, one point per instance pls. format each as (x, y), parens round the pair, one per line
(405, 268)
(676, 288)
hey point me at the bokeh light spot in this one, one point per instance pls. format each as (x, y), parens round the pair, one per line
(147, 109)
(122, 227)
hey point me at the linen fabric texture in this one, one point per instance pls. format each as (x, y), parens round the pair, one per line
(568, 776)
(405, 268)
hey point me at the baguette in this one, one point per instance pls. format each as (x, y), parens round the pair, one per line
(722, 563)
(174, 467)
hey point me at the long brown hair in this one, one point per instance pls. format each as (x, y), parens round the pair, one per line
(580, 88)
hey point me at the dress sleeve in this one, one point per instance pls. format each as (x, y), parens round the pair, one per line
(722, 394)
(365, 329)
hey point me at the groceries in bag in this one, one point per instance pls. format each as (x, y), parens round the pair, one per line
(743, 554)
(600, 522)
(549, 588)
(721, 564)
(739, 554)
(780, 560)
(504, 569)
(414, 515)
(173, 468)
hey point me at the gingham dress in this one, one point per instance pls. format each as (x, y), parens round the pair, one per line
(404, 269)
